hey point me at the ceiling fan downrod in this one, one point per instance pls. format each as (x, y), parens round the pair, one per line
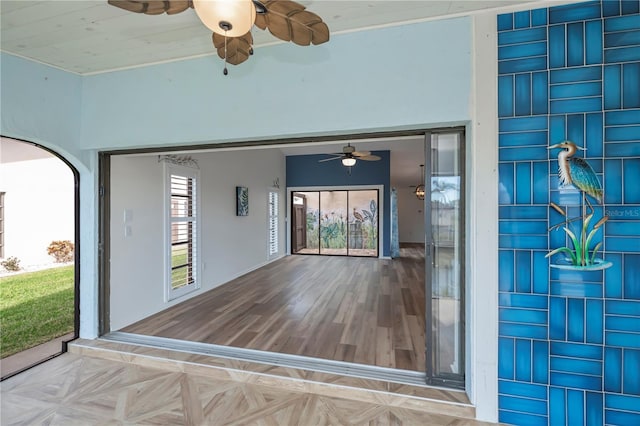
(225, 71)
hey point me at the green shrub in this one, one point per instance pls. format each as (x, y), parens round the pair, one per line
(62, 251)
(11, 264)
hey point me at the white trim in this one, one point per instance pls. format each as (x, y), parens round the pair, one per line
(482, 224)
(277, 254)
(169, 293)
(381, 216)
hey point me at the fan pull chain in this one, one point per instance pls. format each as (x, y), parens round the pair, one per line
(225, 71)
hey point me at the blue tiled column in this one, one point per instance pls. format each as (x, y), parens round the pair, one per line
(569, 343)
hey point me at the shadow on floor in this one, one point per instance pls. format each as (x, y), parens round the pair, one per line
(18, 362)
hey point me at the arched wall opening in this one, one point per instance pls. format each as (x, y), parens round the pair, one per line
(39, 220)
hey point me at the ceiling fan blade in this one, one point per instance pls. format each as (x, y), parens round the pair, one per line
(261, 21)
(177, 6)
(329, 159)
(370, 158)
(289, 21)
(361, 153)
(152, 7)
(238, 48)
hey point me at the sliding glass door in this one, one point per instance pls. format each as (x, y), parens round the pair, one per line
(444, 207)
(336, 223)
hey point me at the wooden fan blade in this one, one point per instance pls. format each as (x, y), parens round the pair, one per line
(289, 21)
(361, 153)
(329, 159)
(370, 158)
(261, 21)
(131, 6)
(177, 6)
(155, 8)
(238, 48)
(301, 30)
(320, 33)
(279, 26)
(152, 7)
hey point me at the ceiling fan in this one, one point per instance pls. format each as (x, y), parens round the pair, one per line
(349, 156)
(231, 22)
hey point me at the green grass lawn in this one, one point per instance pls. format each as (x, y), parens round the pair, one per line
(35, 307)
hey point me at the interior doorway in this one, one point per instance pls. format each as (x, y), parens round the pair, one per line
(299, 222)
(335, 222)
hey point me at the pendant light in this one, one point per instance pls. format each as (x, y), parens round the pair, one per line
(419, 191)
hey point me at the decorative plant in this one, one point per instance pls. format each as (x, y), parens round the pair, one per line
(580, 254)
(11, 264)
(62, 251)
(333, 231)
(371, 225)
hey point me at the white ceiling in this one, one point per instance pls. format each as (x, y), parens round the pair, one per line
(90, 36)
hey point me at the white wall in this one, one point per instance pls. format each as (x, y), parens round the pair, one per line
(39, 202)
(229, 246)
(381, 79)
(349, 86)
(410, 216)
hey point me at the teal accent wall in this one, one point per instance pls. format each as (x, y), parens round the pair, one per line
(305, 170)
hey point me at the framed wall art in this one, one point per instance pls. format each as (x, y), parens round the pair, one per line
(242, 201)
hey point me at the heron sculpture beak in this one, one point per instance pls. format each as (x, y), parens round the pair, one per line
(564, 145)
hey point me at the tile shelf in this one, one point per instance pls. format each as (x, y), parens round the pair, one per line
(598, 265)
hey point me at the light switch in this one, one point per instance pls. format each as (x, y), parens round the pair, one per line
(128, 231)
(128, 215)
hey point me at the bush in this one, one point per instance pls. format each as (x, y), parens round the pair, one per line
(11, 264)
(62, 251)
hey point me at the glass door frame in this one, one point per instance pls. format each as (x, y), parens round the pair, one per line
(380, 190)
(432, 377)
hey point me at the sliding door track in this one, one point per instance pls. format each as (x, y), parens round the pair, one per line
(408, 377)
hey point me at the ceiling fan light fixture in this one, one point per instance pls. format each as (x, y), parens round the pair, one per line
(419, 191)
(230, 18)
(348, 161)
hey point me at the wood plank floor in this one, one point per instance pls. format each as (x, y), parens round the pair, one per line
(78, 390)
(362, 310)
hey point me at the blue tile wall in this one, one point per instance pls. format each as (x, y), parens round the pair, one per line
(569, 343)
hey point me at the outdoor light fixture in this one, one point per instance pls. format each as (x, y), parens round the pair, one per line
(348, 161)
(420, 187)
(229, 18)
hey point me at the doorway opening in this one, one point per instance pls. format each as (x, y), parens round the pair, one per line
(39, 246)
(404, 313)
(335, 222)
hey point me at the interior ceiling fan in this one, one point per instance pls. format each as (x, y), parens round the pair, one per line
(349, 156)
(231, 22)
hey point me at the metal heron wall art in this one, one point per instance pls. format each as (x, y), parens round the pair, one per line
(577, 172)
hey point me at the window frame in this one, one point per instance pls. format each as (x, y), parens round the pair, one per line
(270, 218)
(194, 238)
